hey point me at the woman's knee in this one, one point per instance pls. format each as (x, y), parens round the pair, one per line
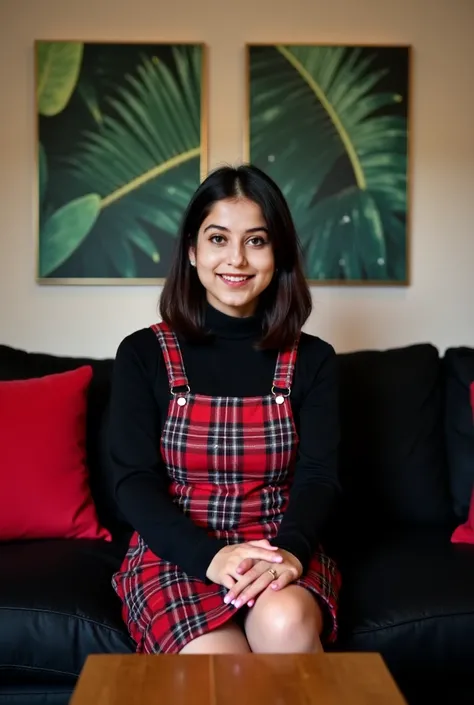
(288, 621)
(228, 639)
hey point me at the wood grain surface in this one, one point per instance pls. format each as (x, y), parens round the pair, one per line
(250, 679)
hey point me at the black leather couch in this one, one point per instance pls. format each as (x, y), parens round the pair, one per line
(406, 453)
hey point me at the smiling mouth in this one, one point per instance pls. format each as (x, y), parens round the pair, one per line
(235, 279)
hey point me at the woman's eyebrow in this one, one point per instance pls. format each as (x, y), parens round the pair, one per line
(226, 230)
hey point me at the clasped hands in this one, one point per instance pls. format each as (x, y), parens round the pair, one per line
(247, 569)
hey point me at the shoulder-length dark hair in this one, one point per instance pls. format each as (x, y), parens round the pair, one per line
(285, 304)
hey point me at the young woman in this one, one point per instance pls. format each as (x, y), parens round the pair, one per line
(223, 439)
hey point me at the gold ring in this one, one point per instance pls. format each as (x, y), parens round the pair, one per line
(273, 573)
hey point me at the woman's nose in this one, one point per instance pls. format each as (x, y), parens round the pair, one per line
(236, 256)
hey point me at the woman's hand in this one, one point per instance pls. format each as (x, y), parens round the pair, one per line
(257, 579)
(223, 567)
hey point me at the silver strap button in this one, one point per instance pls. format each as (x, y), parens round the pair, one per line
(279, 397)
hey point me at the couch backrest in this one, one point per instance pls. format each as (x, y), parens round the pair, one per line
(459, 426)
(393, 465)
(392, 458)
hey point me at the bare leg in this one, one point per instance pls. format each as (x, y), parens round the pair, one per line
(286, 621)
(228, 639)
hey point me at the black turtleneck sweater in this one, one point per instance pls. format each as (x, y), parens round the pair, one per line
(228, 366)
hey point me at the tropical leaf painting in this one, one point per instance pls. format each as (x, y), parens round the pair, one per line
(121, 149)
(330, 125)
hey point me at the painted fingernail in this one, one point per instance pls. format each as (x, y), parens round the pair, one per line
(237, 603)
(251, 603)
(227, 599)
(274, 586)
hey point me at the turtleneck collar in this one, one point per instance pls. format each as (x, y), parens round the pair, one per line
(226, 326)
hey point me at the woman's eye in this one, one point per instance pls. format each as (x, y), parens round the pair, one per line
(217, 239)
(257, 241)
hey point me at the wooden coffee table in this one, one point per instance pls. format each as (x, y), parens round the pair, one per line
(250, 679)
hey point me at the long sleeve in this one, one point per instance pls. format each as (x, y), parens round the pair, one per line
(140, 480)
(315, 485)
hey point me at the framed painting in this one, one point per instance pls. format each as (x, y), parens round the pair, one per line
(122, 145)
(330, 124)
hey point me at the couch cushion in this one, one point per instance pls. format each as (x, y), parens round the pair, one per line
(392, 460)
(44, 479)
(410, 597)
(18, 364)
(459, 426)
(464, 533)
(57, 606)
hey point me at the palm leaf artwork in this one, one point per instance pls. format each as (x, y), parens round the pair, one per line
(62, 230)
(58, 66)
(335, 140)
(140, 158)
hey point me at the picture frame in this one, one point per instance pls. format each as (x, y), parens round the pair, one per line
(121, 144)
(331, 124)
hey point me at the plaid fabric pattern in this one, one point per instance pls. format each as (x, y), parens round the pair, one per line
(231, 463)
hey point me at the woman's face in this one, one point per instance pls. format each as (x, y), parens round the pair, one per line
(233, 255)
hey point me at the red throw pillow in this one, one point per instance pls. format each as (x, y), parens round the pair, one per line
(44, 481)
(465, 532)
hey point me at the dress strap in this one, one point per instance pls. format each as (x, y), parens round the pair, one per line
(171, 354)
(284, 368)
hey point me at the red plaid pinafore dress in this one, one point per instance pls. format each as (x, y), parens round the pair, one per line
(231, 462)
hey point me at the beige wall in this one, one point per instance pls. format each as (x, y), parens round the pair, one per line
(439, 305)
